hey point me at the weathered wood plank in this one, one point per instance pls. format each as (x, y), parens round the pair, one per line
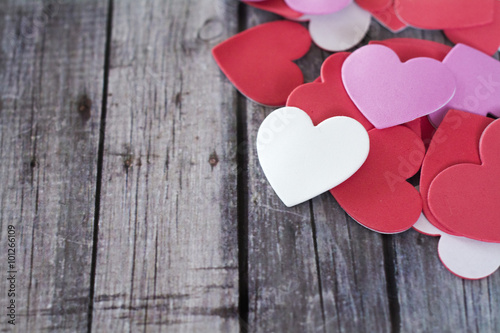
(283, 284)
(434, 300)
(167, 245)
(311, 268)
(352, 268)
(51, 69)
(284, 292)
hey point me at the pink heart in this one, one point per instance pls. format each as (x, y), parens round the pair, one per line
(389, 92)
(478, 83)
(318, 7)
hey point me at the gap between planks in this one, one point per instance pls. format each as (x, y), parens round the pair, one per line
(100, 158)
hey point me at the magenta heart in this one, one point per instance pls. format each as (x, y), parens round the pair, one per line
(317, 7)
(389, 92)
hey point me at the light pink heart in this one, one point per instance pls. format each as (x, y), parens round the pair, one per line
(478, 83)
(389, 92)
(317, 7)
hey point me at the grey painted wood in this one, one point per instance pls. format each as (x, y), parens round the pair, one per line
(352, 268)
(180, 184)
(167, 246)
(283, 282)
(434, 300)
(51, 74)
(311, 268)
(284, 293)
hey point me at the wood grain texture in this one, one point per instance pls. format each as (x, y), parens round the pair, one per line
(187, 219)
(434, 300)
(167, 245)
(284, 291)
(283, 282)
(352, 268)
(308, 264)
(51, 74)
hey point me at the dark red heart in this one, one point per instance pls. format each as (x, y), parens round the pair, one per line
(455, 141)
(465, 197)
(378, 195)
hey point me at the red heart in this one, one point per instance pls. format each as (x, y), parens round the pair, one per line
(455, 141)
(328, 98)
(374, 5)
(423, 128)
(378, 196)
(276, 6)
(409, 48)
(485, 38)
(259, 63)
(445, 14)
(465, 197)
(388, 18)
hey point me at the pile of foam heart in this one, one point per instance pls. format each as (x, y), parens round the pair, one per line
(374, 119)
(337, 25)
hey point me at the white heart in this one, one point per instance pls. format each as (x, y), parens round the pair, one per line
(465, 257)
(302, 161)
(341, 30)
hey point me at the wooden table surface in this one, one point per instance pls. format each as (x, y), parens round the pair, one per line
(129, 172)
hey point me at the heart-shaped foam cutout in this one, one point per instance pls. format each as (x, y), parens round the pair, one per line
(259, 63)
(389, 19)
(301, 160)
(378, 195)
(464, 257)
(478, 82)
(275, 6)
(409, 48)
(327, 98)
(465, 197)
(374, 5)
(388, 92)
(423, 128)
(456, 141)
(318, 7)
(445, 14)
(485, 38)
(341, 30)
